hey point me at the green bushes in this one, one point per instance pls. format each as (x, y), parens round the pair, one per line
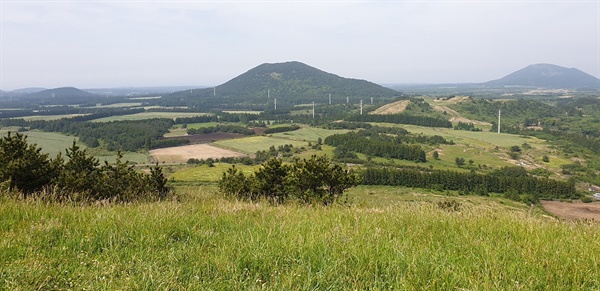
(314, 180)
(80, 178)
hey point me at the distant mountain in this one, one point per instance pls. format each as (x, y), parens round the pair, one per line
(547, 75)
(28, 90)
(65, 95)
(292, 82)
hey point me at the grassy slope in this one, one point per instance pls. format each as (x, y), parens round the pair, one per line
(210, 243)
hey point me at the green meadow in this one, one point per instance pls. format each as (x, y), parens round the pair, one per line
(389, 238)
(251, 145)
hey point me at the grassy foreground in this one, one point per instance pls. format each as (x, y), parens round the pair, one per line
(204, 242)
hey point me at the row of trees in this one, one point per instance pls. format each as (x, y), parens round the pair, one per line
(314, 180)
(127, 135)
(25, 169)
(221, 128)
(503, 181)
(377, 145)
(402, 119)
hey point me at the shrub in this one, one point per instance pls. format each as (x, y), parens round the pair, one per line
(587, 199)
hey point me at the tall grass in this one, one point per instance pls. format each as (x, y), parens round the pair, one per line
(204, 242)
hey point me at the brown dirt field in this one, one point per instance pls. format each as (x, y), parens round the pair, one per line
(573, 211)
(392, 108)
(197, 151)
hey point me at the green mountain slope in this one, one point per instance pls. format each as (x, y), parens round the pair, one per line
(289, 82)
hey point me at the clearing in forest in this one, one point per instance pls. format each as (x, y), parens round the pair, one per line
(197, 151)
(392, 108)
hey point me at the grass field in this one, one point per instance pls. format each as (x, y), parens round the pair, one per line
(206, 242)
(204, 173)
(51, 143)
(49, 117)
(149, 115)
(250, 145)
(309, 133)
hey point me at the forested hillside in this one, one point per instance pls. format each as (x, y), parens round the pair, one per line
(290, 82)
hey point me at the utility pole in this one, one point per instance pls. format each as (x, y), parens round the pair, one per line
(329, 98)
(275, 100)
(347, 99)
(313, 109)
(215, 91)
(371, 100)
(360, 106)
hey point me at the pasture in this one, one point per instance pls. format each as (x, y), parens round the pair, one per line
(309, 133)
(51, 143)
(206, 174)
(250, 145)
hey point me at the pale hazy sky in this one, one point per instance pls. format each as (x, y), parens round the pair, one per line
(92, 44)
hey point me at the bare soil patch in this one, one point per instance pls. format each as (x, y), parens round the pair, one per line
(197, 151)
(392, 108)
(573, 211)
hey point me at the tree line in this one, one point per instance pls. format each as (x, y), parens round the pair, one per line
(30, 173)
(504, 181)
(401, 119)
(313, 180)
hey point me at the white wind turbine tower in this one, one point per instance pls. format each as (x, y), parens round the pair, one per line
(360, 106)
(499, 114)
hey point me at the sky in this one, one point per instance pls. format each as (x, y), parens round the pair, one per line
(101, 44)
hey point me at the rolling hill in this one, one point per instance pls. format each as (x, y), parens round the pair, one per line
(64, 95)
(292, 82)
(548, 76)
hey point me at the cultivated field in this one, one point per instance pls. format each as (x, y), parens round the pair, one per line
(197, 151)
(574, 210)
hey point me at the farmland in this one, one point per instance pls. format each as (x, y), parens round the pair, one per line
(197, 151)
(251, 145)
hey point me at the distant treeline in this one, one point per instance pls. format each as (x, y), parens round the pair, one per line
(221, 128)
(282, 129)
(402, 119)
(378, 146)
(504, 181)
(128, 135)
